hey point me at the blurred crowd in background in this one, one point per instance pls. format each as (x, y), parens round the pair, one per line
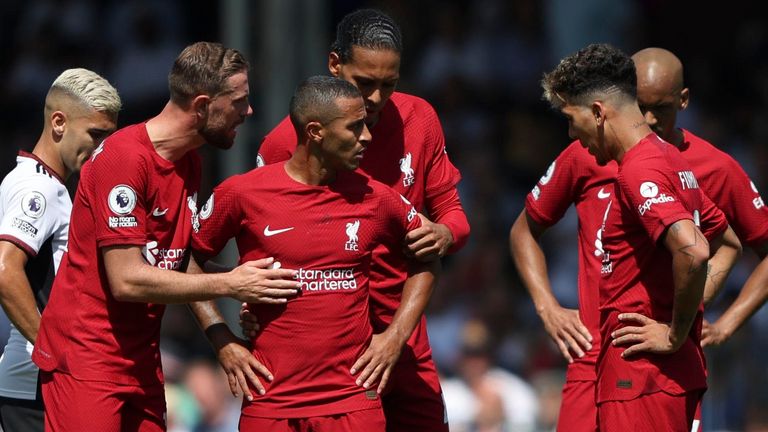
(479, 63)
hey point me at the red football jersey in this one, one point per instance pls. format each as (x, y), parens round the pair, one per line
(729, 187)
(655, 188)
(575, 178)
(328, 233)
(408, 154)
(128, 195)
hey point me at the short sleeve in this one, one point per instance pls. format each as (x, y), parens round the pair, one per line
(31, 213)
(220, 220)
(400, 215)
(555, 191)
(117, 186)
(712, 221)
(740, 200)
(278, 145)
(656, 199)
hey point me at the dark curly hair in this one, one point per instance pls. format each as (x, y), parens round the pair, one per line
(366, 28)
(596, 68)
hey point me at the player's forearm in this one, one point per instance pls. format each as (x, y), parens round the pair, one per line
(727, 250)
(134, 280)
(446, 209)
(690, 253)
(531, 264)
(689, 272)
(417, 291)
(751, 298)
(19, 303)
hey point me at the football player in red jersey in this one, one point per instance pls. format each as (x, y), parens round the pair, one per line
(316, 214)
(653, 253)
(134, 211)
(661, 93)
(81, 110)
(575, 178)
(408, 153)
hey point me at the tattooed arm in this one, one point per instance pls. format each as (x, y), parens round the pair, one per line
(725, 250)
(690, 252)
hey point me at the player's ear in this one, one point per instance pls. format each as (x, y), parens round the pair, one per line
(58, 124)
(314, 131)
(685, 98)
(598, 111)
(200, 106)
(334, 64)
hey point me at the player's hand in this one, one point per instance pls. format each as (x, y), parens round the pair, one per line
(712, 334)
(428, 242)
(249, 322)
(238, 362)
(566, 329)
(649, 336)
(377, 361)
(256, 282)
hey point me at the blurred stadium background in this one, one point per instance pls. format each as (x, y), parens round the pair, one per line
(479, 64)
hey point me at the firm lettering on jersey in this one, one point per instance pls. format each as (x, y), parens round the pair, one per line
(122, 201)
(405, 168)
(351, 231)
(333, 279)
(651, 191)
(166, 259)
(688, 180)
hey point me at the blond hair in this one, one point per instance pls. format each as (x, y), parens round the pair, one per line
(89, 88)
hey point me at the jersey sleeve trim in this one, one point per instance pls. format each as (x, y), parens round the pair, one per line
(116, 241)
(20, 244)
(668, 221)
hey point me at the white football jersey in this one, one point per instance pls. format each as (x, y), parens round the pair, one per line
(34, 215)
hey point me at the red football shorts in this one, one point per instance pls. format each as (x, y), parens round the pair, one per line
(653, 412)
(578, 409)
(364, 420)
(413, 399)
(73, 405)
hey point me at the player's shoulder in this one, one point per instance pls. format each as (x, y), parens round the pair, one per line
(126, 145)
(408, 104)
(32, 174)
(705, 148)
(282, 130)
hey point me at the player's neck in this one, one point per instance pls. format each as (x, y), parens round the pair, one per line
(173, 133)
(308, 169)
(48, 152)
(628, 132)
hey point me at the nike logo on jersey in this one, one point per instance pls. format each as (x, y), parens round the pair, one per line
(602, 194)
(269, 233)
(157, 212)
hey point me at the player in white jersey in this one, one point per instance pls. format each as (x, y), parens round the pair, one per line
(80, 111)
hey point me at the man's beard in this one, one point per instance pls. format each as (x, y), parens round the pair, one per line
(217, 137)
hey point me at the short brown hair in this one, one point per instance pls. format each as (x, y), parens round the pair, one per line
(203, 68)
